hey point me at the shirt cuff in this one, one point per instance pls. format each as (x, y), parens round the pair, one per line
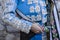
(26, 26)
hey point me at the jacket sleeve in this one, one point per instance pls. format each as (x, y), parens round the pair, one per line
(10, 18)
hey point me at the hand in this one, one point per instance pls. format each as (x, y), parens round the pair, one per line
(36, 28)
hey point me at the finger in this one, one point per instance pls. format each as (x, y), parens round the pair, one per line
(37, 32)
(41, 29)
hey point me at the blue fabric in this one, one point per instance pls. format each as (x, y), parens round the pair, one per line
(37, 37)
(24, 8)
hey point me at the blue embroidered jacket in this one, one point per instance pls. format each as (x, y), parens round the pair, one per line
(34, 10)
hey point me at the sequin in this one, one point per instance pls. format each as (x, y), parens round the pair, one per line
(32, 9)
(37, 8)
(38, 17)
(29, 2)
(23, 0)
(44, 11)
(33, 17)
(42, 3)
(35, 1)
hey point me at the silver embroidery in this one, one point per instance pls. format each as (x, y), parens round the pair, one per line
(19, 24)
(33, 17)
(38, 17)
(32, 9)
(28, 16)
(42, 3)
(44, 19)
(35, 1)
(44, 11)
(24, 26)
(9, 5)
(37, 8)
(29, 2)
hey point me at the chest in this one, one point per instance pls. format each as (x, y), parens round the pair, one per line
(33, 9)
